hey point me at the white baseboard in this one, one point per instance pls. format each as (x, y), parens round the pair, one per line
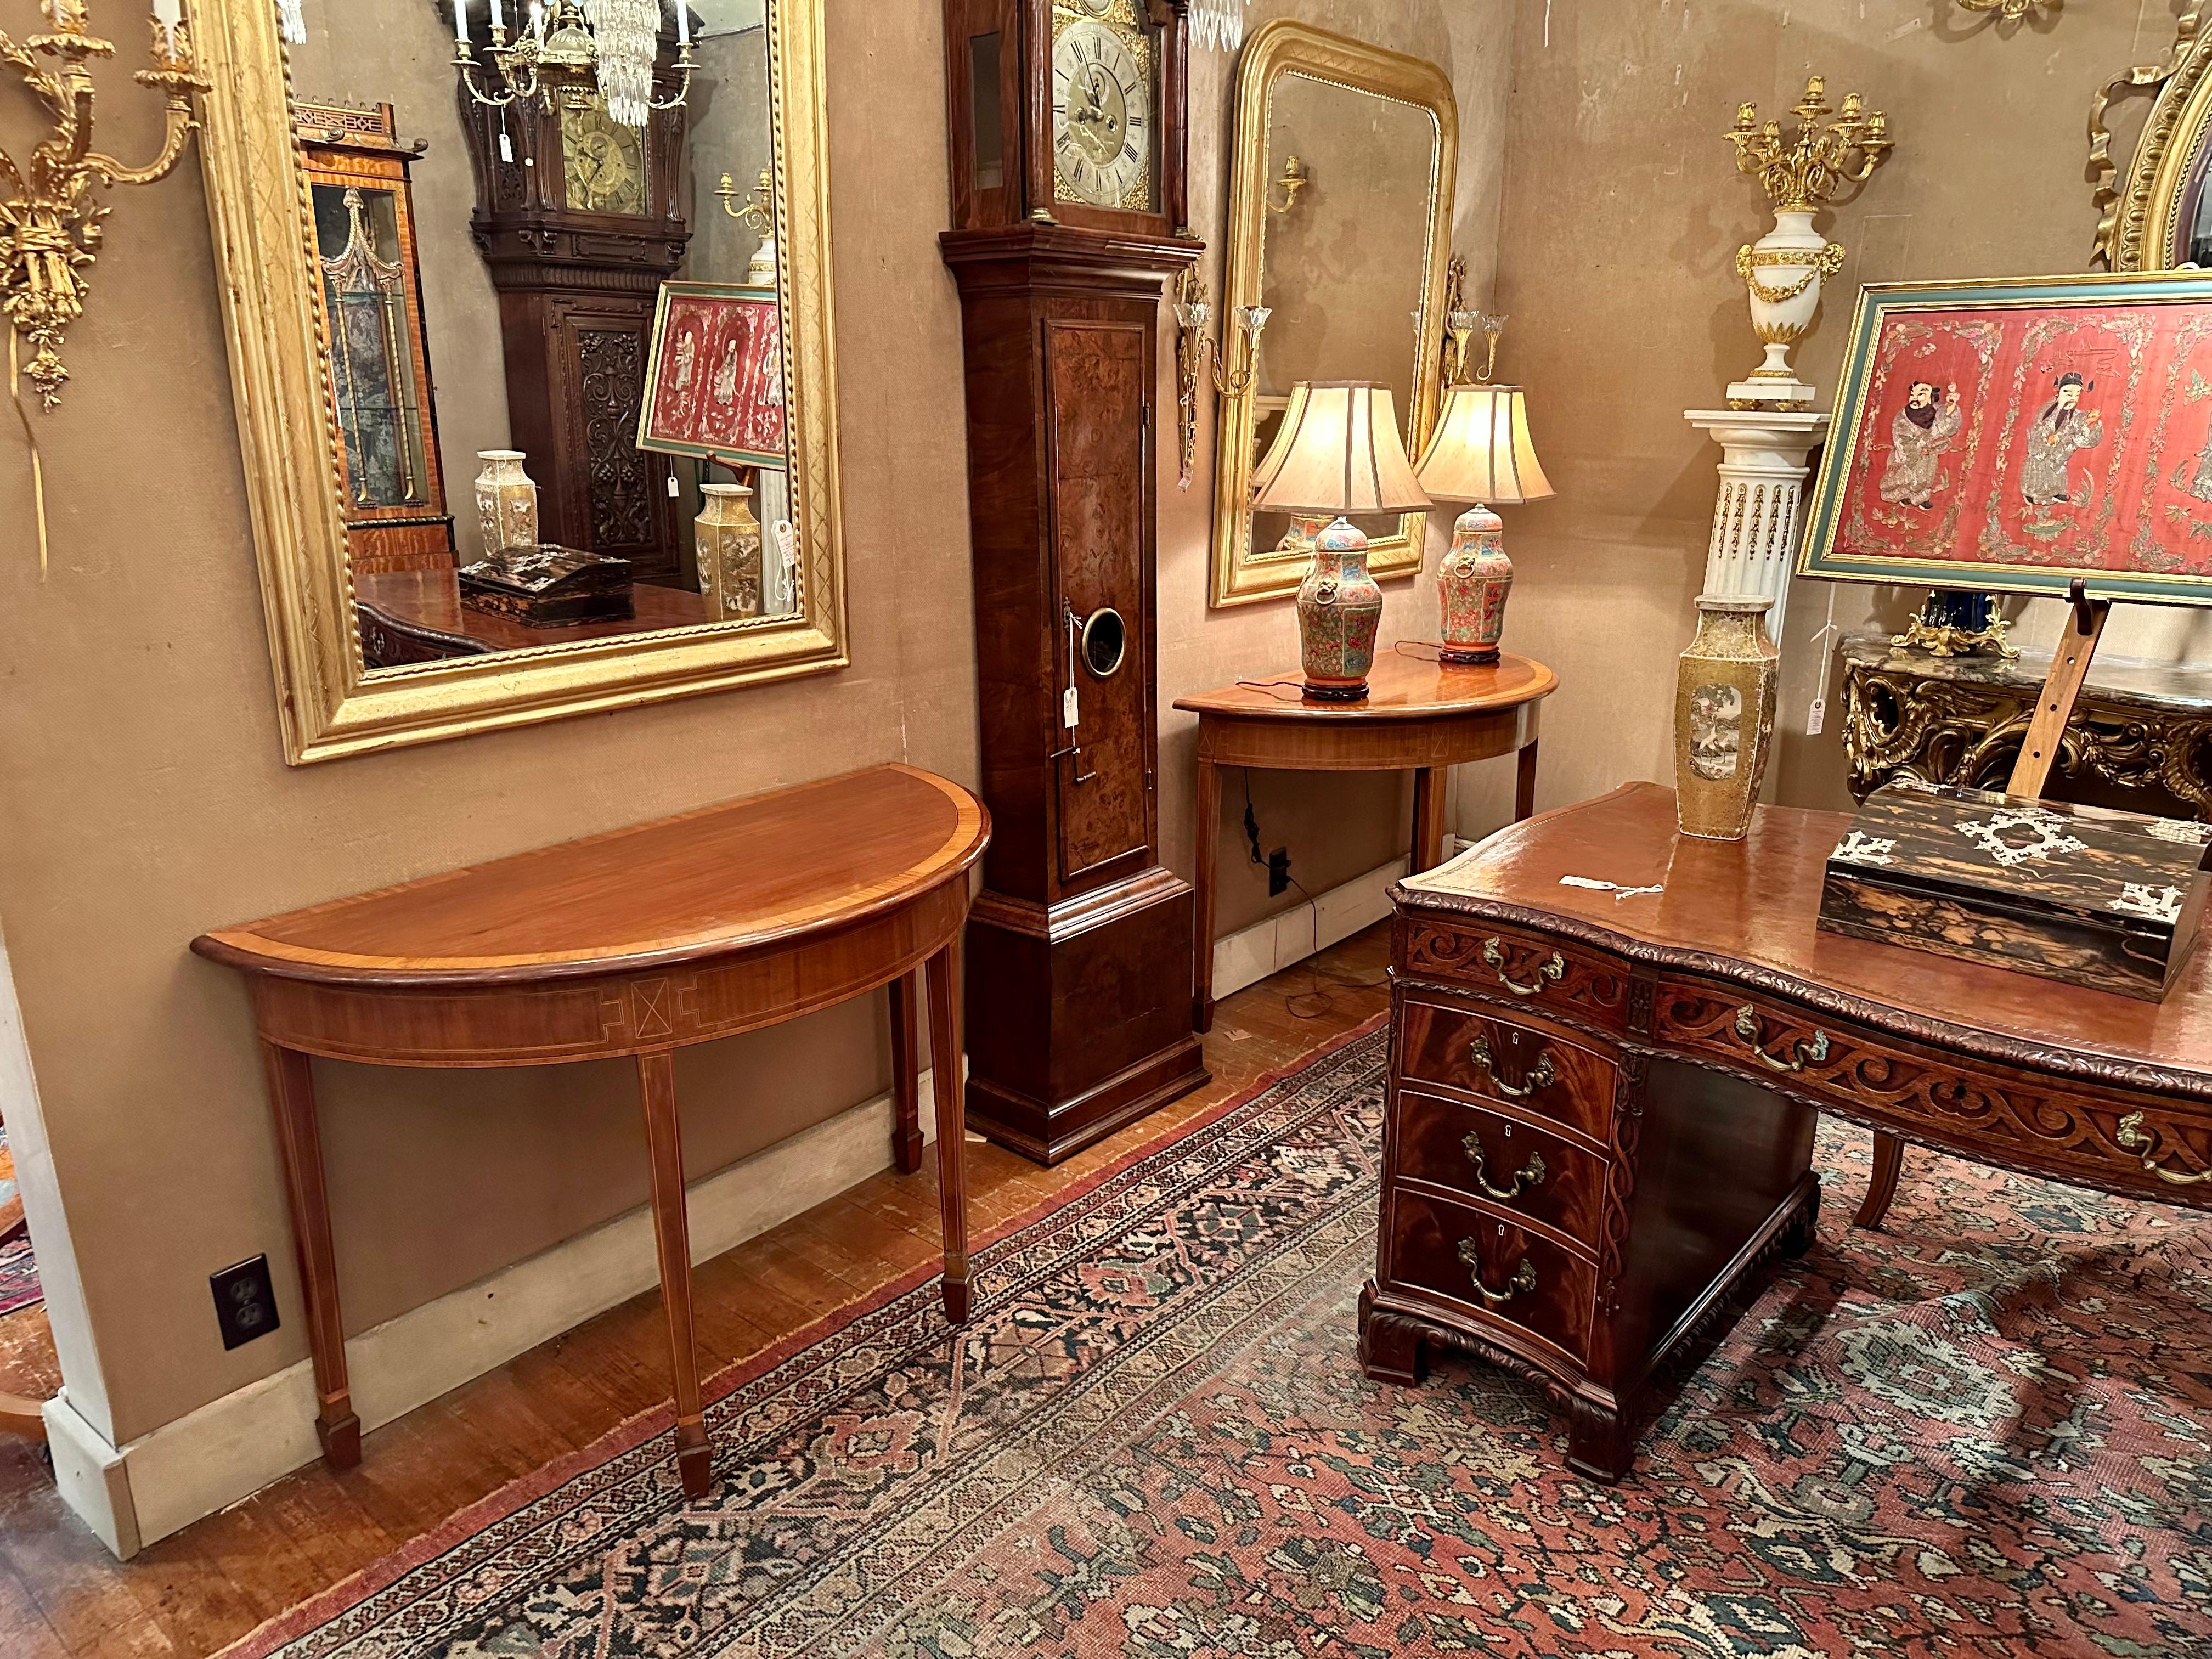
(1250, 954)
(231, 1447)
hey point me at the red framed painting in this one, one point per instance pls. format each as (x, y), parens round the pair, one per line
(2008, 436)
(716, 378)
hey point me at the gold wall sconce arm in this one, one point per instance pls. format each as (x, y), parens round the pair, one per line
(1295, 176)
(2011, 10)
(757, 211)
(1198, 360)
(1463, 322)
(53, 219)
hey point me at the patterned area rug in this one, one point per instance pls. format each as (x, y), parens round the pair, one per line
(19, 1268)
(1986, 1432)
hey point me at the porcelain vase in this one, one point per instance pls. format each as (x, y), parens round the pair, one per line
(1339, 608)
(1305, 530)
(1472, 586)
(1783, 270)
(1724, 716)
(727, 539)
(507, 501)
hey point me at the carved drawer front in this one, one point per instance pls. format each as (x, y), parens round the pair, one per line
(2010, 1118)
(1550, 977)
(1537, 1071)
(1526, 1170)
(1481, 1261)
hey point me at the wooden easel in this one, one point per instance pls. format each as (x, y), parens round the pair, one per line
(2038, 748)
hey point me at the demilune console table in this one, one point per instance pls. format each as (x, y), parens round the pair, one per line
(632, 944)
(1600, 1108)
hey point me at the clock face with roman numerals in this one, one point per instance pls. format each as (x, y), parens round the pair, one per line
(1103, 130)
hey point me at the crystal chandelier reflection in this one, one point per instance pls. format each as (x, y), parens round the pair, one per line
(1218, 23)
(571, 50)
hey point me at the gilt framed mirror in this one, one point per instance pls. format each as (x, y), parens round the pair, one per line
(2158, 207)
(465, 246)
(1339, 223)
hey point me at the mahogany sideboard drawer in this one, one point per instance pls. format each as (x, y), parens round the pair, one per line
(1479, 1260)
(1527, 1170)
(1552, 979)
(1483, 1055)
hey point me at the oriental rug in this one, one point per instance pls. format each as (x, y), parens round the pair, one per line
(1986, 1431)
(19, 1266)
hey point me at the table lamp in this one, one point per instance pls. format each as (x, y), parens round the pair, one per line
(1479, 452)
(1338, 451)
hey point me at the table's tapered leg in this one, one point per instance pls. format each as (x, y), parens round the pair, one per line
(906, 1072)
(1889, 1164)
(944, 1052)
(1201, 960)
(1428, 818)
(1524, 789)
(292, 1097)
(671, 1233)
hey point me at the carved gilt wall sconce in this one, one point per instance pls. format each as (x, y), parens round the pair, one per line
(758, 214)
(1462, 323)
(52, 220)
(1295, 176)
(2012, 10)
(1198, 359)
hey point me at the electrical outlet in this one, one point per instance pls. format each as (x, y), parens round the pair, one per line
(1279, 871)
(245, 1302)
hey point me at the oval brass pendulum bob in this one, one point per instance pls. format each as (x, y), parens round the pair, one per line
(1724, 716)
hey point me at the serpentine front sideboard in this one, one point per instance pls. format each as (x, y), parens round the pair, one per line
(1601, 1102)
(632, 944)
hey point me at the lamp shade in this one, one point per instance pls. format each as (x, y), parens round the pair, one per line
(1338, 451)
(1480, 450)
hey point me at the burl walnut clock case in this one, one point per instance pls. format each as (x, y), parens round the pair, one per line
(1068, 204)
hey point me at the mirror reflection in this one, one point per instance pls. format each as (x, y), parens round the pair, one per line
(556, 338)
(2193, 233)
(1343, 263)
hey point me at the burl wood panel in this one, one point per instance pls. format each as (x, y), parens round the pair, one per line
(1522, 1165)
(1097, 374)
(1538, 1072)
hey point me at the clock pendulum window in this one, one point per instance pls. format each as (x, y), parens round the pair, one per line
(1068, 131)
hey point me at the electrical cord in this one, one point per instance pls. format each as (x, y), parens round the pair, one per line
(1316, 991)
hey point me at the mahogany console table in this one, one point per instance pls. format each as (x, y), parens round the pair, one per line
(631, 944)
(1420, 715)
(1601, 1108)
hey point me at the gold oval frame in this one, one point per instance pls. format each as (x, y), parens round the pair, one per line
(328, 705)
(1241, 574)
(2138, 220)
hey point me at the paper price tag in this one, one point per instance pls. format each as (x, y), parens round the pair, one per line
(506, 148)
(1816, 717)
(673, 493)
(1068, 716)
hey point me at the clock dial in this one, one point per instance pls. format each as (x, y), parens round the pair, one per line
(1102, 117)
(603, 162)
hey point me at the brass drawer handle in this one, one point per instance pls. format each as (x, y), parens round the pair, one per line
(1524, 1276)
(1802, 1053)
(1494, 953)
(2131, 1139)
(1532, 1172)
(1541, 1075)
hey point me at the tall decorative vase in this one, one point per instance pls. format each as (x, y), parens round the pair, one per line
(1723, 716)
(728, 538)
(1339, 608)
(1305, 530)
(507, 501)
(1471, 585)
(1783, 271)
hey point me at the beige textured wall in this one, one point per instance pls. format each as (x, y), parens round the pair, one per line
(143, 799)
(1622, 217)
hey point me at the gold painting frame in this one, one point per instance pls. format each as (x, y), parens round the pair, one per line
(329, 705)
(2135, 231)
(1241, 574)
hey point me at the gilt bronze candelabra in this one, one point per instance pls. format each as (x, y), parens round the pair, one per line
(53, 218)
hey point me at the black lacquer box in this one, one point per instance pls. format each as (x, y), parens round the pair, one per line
(545, 586)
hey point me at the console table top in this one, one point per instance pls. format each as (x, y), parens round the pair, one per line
(1746, 911)
(2161, 686)
(1399, 687)
(720, 881)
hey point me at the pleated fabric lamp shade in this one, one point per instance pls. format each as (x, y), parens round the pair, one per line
(1480, 451)
(1338, 451)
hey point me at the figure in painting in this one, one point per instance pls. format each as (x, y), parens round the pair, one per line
(2059, 431)
(687, 357)
(726, 377)
(1918, 436)
(2200, 485)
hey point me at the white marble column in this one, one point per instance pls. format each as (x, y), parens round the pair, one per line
(1756, 519)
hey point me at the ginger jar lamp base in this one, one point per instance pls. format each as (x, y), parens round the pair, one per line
(1340, 610)
(1472, 586)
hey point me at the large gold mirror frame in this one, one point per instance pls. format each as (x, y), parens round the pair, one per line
(2150, 209)
(329, 705)
(1277, 53)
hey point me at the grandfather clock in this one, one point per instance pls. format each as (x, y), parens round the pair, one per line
(578, 218)
(1067, 120)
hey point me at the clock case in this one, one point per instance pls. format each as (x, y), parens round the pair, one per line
(576, 295)
(1079, 949)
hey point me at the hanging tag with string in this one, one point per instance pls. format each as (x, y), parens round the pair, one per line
(30, 437)
(1817, 715)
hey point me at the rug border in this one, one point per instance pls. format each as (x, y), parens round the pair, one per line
(494, 1507)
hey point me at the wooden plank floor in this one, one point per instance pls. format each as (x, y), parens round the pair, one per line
(62, 1594)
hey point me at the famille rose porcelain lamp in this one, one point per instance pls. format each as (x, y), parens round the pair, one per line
(1479, 452)
(1339, 452)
